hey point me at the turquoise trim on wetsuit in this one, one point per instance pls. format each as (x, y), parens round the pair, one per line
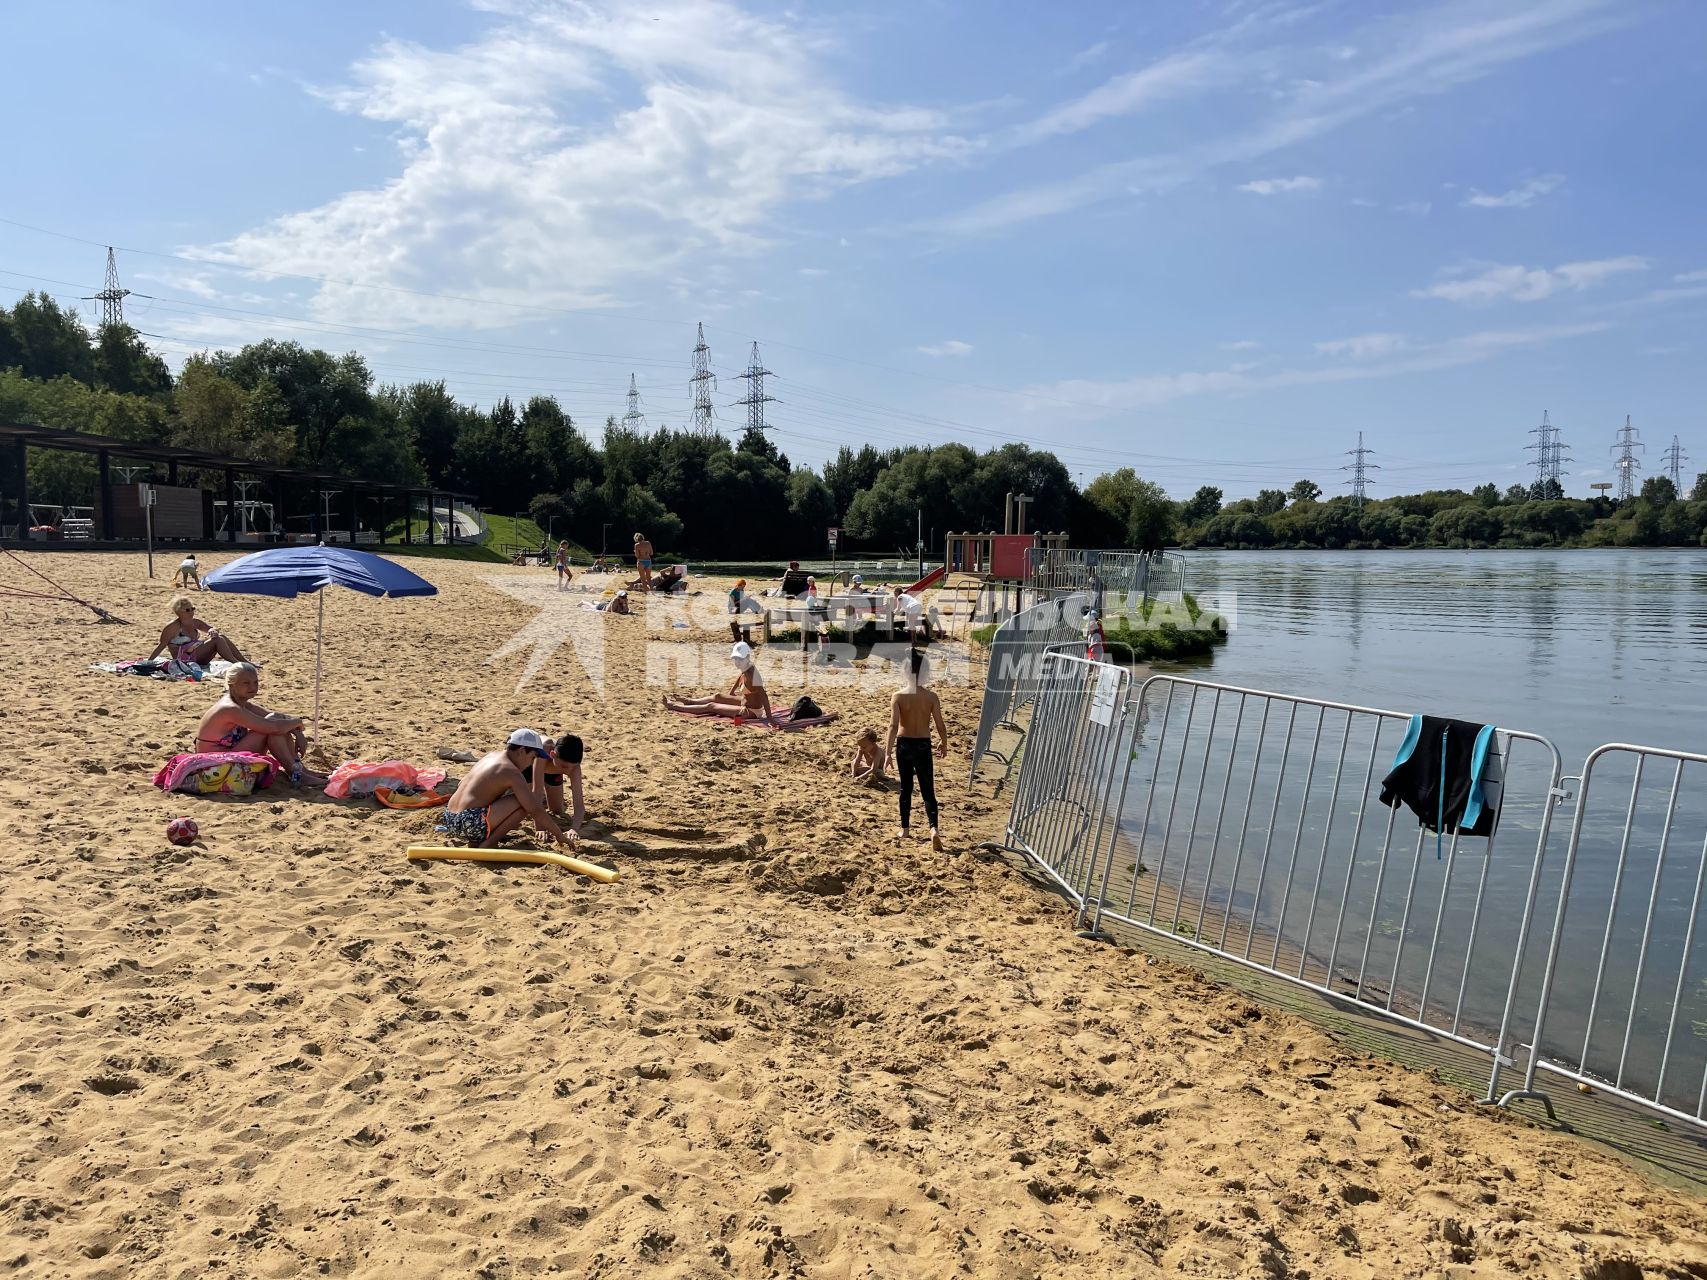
(1478, 771)
(1412, 735)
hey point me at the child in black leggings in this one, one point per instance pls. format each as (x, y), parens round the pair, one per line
(913, 713)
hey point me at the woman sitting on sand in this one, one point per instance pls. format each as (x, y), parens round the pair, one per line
(746, 698)
(235, 723)
(188, 639)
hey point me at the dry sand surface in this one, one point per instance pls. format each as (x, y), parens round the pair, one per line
(778, 1047)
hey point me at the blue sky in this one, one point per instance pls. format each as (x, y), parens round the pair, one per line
(1209, 239)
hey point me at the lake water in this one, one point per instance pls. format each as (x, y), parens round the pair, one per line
(1584, 648)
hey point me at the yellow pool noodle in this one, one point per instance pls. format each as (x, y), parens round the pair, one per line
(604, 875)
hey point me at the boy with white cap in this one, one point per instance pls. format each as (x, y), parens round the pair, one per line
(495, 796)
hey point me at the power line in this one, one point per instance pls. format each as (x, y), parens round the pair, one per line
(1627, 462)
(702, 384)
(111, 297)
(1675, 458)
(633, 420)
(1360, 470)
(756, 399)
(1550, 456)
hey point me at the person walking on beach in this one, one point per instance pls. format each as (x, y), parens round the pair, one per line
(913, 712)
(564, 577)
(643, 560)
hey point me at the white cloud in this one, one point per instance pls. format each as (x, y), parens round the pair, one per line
(1528, 284)
(1419, 53)
(1172, 77)
(1365, 346)
(814, 272)
(520, 183)
(1276, 186)
(1084, 57)
(952, 347)
(1691, 277)
(1094, 400)
(1243, 344)
(1518, 197)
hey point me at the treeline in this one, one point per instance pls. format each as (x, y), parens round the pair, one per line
(710, 496)
(703, 495)
(1519, 516)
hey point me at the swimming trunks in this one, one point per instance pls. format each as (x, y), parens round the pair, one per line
(469, 824)
(645, 564)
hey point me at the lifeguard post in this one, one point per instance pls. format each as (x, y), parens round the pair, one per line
(1001, 561)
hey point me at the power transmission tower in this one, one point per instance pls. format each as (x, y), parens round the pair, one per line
(633, 420)
(111, 297)
(1627, 462)
(1360, 470)
(1549, 457)
(1675, 458)
(703, 383)
(756, 398)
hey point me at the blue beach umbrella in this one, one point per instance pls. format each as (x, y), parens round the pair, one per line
(287, 572)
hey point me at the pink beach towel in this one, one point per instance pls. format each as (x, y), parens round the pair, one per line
(361, 778)
(230, 773)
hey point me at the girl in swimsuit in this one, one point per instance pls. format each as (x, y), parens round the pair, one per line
(746, 698)
(188, 639)
(563, 575)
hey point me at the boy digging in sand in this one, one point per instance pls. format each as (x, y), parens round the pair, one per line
(495, 796)
(867, 767)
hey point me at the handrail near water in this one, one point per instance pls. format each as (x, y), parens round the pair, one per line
(1247, 824)
(1650, 1018)
(1016, 665)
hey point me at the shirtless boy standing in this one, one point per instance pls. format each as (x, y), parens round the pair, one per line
(912, 714)
(495, 796)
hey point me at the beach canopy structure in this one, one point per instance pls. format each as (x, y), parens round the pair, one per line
(287, 572)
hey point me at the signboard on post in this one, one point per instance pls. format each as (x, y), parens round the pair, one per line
(835, 534)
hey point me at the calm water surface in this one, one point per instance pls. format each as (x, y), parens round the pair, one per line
(1585, 647)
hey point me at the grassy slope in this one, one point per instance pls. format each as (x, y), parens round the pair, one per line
(506, 531)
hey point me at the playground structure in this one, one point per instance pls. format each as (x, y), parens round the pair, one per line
(299, 506)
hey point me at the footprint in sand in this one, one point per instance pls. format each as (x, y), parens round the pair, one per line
(637, 841)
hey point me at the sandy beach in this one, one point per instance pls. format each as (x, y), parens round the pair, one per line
(781, 1045)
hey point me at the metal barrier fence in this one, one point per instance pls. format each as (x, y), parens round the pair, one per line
(1016, 664)
(1314, 881)
(1629, 914)
(1077, 737)
(1246, 823)
(1115, 581)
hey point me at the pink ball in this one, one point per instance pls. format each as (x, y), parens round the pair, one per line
(182, 831)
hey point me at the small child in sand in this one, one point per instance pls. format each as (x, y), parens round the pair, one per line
(189, 573)
(867, 767)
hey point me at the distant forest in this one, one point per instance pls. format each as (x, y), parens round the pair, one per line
(709, 496)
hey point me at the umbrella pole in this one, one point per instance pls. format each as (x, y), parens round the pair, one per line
(319, 634)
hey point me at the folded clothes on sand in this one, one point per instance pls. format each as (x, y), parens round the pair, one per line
(362, 778)
(231, 773)
(164, 669)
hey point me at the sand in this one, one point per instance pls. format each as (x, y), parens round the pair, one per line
(779, 1046)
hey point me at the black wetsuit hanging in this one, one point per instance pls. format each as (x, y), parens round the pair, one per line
(1440, 773)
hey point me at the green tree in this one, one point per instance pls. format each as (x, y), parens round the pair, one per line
(1517, 493)
(50, 340)
(1488, 495)
(1268, 501)
(849, 472)
(1699, 492)
(123, 364)
(1304, 491)
(1659, 491)
(1202, 505)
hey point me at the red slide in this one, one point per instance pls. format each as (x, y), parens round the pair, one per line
(929, 580)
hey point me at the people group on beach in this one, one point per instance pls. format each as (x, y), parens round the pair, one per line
(533, 777)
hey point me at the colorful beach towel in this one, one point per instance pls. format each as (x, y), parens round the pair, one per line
(362, 778)
(783, 722)
(229, 773)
